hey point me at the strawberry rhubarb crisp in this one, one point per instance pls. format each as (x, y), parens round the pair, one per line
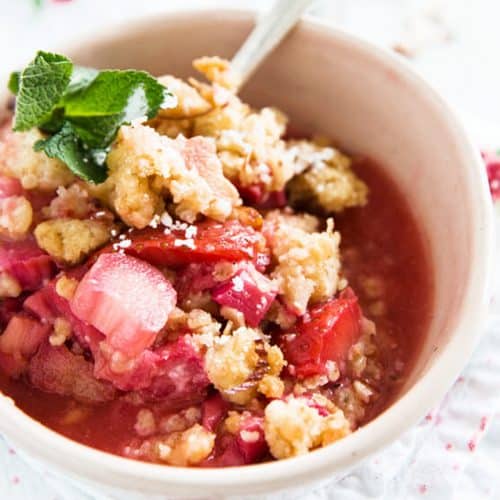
(183, 282)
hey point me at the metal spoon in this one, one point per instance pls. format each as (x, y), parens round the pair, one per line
(270, 29)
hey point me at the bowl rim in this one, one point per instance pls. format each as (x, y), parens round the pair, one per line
(43, 443)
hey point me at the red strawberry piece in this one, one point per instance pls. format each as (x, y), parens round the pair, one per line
(19, 342)
(247, 291)
(492, 162)
(8, 308)
(39, 199)
(24, 260)
(275, 199)
(226, 453)
(181, 379)
(57, 370)
(325, 333)
(11, 365)
(210, 242)
(262, 260)
(247, 446)
(194, 278)
(126, 299)
(250, 439)
(40, 305)
(256, 195)
(213, 411)
(173, 374)
(9, 186)
(252, 195)
(136, 374)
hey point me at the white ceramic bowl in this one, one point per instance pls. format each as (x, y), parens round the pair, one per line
(370, 102)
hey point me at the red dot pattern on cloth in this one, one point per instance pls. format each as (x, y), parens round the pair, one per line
(492, 162)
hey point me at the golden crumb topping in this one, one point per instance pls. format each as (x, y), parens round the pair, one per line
(71, 240)
(16, 216)
(66, 287)
(189, 447)
(218, 71)
(34, 169)
(293, 427)
(327, 183)
(145, 167)
(231, 361)
(61, 332)
(9, 286)
(308, 263)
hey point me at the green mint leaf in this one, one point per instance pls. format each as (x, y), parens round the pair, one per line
(113, 91)
(54, 123)
(41, 85)
(80, 78)
(99, 156)
(112, 99)
(67, 147)
(83, 108)
(14, 82)
(97, 131)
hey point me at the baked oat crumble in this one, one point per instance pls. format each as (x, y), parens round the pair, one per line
(198, 298)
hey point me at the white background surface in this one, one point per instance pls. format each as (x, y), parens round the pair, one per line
(456, 45)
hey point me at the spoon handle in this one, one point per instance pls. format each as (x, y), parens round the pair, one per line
(268, 32)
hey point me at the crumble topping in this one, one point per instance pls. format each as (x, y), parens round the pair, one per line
(216, 357)
(9, 286)
(71, 240)
(293, 427)
(16, 216)
(34, 170)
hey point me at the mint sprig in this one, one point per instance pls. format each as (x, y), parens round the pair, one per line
(66, 146)
(81, 109)
(41, 86)
(114, 97)
(13, 84)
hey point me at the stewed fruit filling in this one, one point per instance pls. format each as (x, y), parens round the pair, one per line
(172, 281)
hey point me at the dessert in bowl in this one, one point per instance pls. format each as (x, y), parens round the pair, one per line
(234, 291)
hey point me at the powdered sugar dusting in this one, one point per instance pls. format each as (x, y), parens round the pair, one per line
(238, 284)
(191, 231)
(188, 243)
(122, 244)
